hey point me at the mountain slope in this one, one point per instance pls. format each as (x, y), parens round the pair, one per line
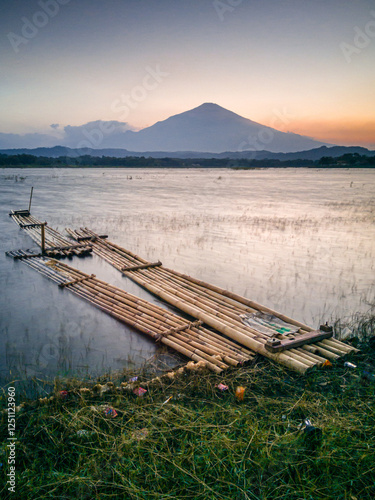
(212, 128)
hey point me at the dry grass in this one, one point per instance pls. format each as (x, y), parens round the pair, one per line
(203, 444)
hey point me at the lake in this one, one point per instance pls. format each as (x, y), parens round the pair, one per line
(301, 241)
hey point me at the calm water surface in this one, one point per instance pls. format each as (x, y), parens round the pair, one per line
(301, 241)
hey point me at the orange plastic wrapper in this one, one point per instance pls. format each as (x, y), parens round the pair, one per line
(240, 392)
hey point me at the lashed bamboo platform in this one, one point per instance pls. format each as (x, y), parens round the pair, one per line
(56, 245)
(216, 307)
(193, 340)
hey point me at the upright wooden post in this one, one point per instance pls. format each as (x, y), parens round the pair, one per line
(31, 197)
(43, 237)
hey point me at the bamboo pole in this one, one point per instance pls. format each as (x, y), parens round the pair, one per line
(181, 347)
(250, 304)
(190, 292)
(176, 292)
(231, 332)
(105, 252)
(203, 346)
(52, 238)
(333, 341)
(338, 345)
(33, 232)
(43, 237)
(217, 307)
(229, 320)
(132, 322)
(294, 355)
(31, 197)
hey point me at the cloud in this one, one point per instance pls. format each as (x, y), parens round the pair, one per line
(97, 135)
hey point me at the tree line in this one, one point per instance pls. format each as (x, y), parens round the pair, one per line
(26, 160)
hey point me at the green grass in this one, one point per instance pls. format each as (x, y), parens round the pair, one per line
(203, 444)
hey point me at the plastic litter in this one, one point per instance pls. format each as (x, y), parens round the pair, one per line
(350, 365)
(63, 394)
(110, 412)
(140, 391)
(133, 379)
(222, 387)
(327, 364)
(167, 400)
(240, 393)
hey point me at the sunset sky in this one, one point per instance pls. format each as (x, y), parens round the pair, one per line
(306, 66)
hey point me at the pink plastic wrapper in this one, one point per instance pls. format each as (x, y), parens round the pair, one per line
(222, 387)
(63, 394)
(140, 391)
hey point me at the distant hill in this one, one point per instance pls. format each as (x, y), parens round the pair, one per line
(311, 154)
(57, 151)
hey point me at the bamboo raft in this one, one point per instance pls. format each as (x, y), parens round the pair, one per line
(55, 245)
(224, 311)
(191, 339)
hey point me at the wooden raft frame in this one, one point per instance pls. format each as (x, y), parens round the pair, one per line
(276, 345)
(69, 247)
(24, 226)
(166, 333)
(91, 238)
(78, 280)
(21, 213)
(142, 266)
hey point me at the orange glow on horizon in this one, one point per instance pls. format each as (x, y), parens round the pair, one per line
(341, 132)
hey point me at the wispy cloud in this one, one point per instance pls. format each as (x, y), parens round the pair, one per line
(99, 133)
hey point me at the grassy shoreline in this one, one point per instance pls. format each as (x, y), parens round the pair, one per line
(202, 443)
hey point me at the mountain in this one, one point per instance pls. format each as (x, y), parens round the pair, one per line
(312, 154)
(210, 127)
